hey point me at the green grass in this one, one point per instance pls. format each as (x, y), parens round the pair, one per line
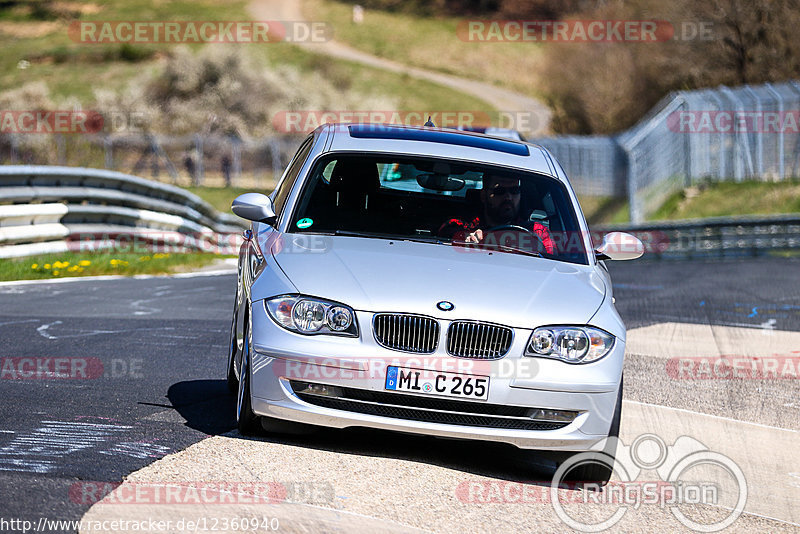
(68, 264)
(432, 43)
(724, 199)
(605, 210)
(409, 93)
(222, 197)
(74, 69)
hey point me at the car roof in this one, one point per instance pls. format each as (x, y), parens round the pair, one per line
(439, 142)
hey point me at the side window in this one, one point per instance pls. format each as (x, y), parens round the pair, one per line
(295, 165)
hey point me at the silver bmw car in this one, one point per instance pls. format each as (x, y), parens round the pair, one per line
(428, 281)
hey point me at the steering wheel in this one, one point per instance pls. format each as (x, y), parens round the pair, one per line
(516, 228)
(509, 227)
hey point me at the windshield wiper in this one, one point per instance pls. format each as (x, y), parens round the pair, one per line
(503, 248)
(396, 237)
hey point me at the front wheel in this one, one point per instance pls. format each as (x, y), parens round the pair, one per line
(246, 420)
(599, 465)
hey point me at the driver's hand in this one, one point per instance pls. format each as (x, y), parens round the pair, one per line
(475, 237)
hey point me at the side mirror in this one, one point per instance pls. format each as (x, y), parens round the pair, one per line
(254, 207)
(619, 246)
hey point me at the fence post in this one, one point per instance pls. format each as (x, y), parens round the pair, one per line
(634, 208)
(779, 99)
(758, 135)
(108, 150)
(61, 149)
(275, 152)
(236, 149)
(687, 149)
(198, 156)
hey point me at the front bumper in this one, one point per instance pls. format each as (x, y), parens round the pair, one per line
(280, 356)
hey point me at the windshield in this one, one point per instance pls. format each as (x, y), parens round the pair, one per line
(440, 201)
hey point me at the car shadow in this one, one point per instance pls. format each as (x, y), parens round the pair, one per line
(482, 458)
(205, 405)
(208, 406)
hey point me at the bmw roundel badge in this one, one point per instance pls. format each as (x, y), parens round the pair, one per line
(445, 305)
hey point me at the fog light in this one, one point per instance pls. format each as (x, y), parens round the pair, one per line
(323, 390)
(559, 416)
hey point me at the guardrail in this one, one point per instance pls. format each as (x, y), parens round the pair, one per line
(716, 237)
(48, 209)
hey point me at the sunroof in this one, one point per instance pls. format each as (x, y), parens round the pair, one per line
(374, 131)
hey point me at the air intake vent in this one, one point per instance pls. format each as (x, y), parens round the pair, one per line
(408, 333)
(483, 341)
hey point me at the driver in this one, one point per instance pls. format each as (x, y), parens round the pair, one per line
(500, 199)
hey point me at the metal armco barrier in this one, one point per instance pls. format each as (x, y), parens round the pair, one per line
(46, 209)
(717, 237)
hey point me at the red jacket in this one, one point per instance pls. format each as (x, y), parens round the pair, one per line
(458, 230)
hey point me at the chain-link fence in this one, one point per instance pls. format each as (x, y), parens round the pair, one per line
(690, 136)
(746, 133)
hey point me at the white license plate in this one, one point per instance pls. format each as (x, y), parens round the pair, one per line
(440, 383)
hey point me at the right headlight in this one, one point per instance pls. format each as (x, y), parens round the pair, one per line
(309, 315)
(572, 344)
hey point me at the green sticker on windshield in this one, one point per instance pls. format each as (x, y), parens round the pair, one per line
(304, 223)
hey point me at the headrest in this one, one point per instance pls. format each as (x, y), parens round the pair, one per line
(355, 175)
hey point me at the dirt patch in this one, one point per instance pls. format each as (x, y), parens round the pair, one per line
(26, 30)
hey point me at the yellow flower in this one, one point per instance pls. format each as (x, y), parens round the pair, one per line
(46, 265)
(144, 258)
(35, 266)
(84, 263)
(73, 268)
(56, 273)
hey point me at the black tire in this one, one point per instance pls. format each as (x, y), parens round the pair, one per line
(233, 348)
(246, 420)
(291, 428)
(600, 470)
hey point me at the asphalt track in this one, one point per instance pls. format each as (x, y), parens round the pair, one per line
(150, 360)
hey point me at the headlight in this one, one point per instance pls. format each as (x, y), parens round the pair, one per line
(572, 344)
(309, 315)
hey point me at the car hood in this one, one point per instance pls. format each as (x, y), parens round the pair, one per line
(378, 275)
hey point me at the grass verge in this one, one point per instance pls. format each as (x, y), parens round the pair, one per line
(725, 199)
(69, 264)
(433, 43)
(221, 198)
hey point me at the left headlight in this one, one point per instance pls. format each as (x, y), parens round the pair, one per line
(310, 315)
(572, 344)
